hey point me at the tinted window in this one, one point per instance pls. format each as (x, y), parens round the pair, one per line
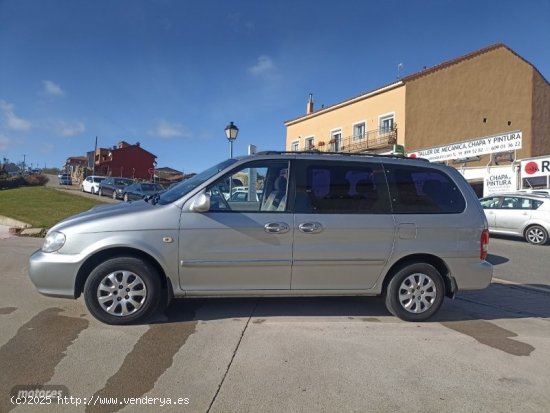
(418, 190)
(343, 187)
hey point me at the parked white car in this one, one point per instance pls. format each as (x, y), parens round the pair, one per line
(91, 184)
(519, 214)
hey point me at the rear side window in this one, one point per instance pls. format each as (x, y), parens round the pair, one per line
(419, 190)
(515, 202)
(341, 188)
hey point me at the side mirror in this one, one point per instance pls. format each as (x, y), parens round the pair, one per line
(200, 203)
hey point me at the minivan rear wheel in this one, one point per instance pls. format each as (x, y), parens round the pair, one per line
(123, 290)
(415, 292)
(536, 235)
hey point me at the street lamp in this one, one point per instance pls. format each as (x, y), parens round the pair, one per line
(231, 132)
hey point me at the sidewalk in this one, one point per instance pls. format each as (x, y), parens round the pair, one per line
(5, 232)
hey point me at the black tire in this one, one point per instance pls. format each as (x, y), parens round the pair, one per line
(536, 235)
(136, 279)
(415, 292)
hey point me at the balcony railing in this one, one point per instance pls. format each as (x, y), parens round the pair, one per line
(374, 139)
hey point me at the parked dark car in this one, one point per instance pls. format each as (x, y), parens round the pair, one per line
(139, 190)
(114, 187)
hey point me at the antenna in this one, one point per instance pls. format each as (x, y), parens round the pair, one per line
(399, 67)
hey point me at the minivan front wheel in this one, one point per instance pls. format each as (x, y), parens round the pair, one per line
(122, 290)
(536, 235)
(415, 292)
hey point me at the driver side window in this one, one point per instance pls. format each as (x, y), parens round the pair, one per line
(259, 186)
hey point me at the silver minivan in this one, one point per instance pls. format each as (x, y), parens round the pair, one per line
(311, 225)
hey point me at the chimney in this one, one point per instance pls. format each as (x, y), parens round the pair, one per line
(309, 107)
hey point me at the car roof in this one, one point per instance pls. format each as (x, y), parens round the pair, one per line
(331, 155)
(519, 193)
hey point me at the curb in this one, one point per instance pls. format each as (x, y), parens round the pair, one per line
(13, 223)
(22, 229)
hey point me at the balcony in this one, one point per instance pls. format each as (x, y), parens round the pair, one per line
(371, 140)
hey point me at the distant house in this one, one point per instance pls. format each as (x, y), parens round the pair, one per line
(125, 160)
(167, 176)
(76, 167)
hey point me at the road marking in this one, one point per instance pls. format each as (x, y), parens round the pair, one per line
(528, 287)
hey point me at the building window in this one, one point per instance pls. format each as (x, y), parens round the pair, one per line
(295, 146)
(309, 143)
(359, 131)
(386, 123)
(336, 140)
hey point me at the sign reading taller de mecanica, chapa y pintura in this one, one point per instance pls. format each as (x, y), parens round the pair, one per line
(508, 141)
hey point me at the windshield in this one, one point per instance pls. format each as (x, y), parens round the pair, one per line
(188, 185)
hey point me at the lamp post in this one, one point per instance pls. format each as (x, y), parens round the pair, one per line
(231, 132)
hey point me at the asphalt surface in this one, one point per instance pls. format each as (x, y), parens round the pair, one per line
(486, 351)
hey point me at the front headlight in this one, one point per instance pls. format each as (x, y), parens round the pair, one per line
(53, 241)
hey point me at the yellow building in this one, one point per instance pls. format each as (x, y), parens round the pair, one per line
(490, 107)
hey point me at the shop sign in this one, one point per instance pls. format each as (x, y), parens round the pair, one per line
(490, 144)
(531, 168)
(499, 180)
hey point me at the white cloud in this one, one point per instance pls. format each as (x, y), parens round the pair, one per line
(63, 128)
(167, 130)
(12, 120)
(263, 66)
(52, 89)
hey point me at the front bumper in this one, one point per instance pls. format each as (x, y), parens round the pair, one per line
(54, 274)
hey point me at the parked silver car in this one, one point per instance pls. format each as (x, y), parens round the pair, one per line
(311, 225)
(519, 214)
(65, 179)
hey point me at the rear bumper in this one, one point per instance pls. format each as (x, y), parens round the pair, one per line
(472, 276)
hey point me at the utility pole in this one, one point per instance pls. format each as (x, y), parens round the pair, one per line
(95, 151)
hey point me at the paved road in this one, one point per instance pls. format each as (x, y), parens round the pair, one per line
(487, 351)
(53, 182)
(520, 262)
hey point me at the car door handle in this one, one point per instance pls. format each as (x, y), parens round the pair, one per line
(310, 227)
(276, 227)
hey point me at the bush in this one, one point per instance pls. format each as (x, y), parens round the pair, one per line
(28, 180)
(36, 179)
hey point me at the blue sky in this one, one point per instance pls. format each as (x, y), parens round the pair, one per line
(172, 74)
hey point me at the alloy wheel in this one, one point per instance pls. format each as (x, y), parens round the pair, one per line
(121, 293)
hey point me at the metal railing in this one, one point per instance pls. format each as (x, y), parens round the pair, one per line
(374, 139)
